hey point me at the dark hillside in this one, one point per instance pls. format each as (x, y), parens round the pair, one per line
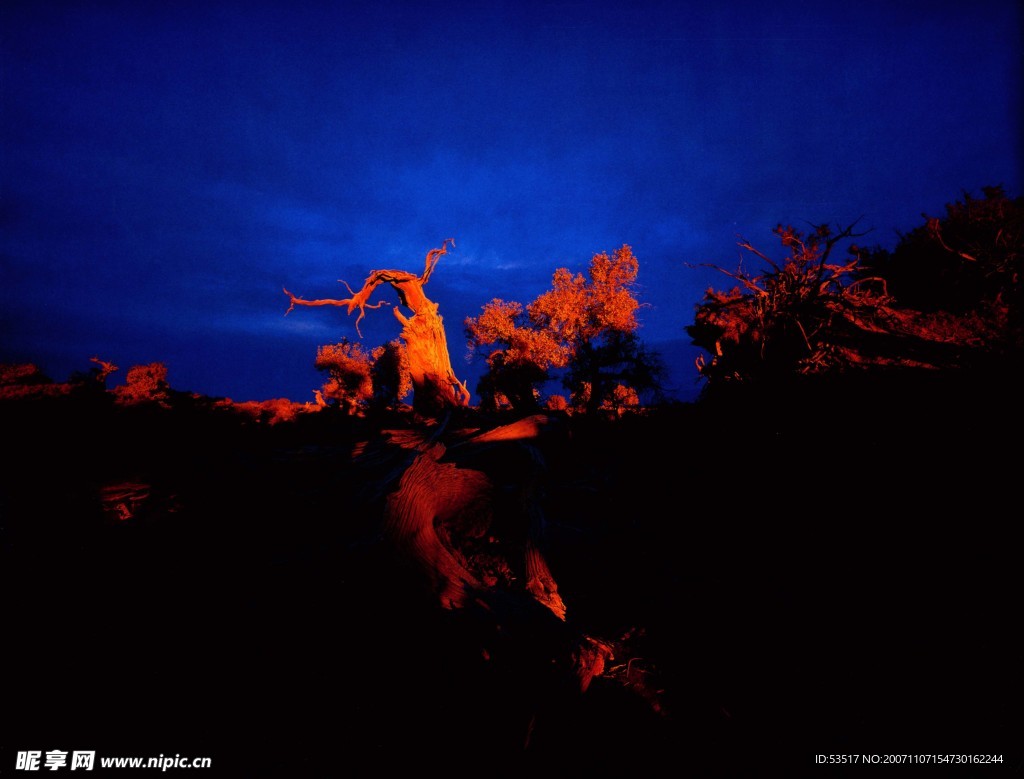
(826, 569)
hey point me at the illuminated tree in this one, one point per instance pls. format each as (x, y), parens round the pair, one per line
(348, 367)
(556, 403)
(945, 298)
(621, 399)
(271, 412)
(144, 384)
(522, 359)
(26, 380)
(435, 387)
(794, 316)
(586, 324)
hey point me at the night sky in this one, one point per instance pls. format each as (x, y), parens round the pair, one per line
(167, 167)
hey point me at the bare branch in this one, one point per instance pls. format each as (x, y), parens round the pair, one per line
(745, 244)
(358, 300)
(294, 301)
(461, 391)
(740, 277)
(878, 279)
(432, 257)
(105, 369)
(803, 332)
(936, 230)
(846, 232)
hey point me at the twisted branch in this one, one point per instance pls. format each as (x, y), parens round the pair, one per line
(399, 279)
(432, 257)
(358, 300)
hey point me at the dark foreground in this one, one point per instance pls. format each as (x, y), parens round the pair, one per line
(830, 570)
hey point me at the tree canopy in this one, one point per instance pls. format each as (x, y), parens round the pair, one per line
(347, 366)
(359, 380)
(586, 324)
(144, 384)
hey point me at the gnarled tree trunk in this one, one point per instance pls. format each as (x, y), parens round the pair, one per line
(435, 386)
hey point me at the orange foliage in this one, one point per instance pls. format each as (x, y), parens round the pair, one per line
(621, 400)
(270, 412)
(144, 384)
(557, 403)
(349, 384)
(23, 374)
(521, 341)
(26, 380)
(522, 345)
(577, 309)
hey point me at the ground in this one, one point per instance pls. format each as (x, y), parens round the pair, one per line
(828, 569)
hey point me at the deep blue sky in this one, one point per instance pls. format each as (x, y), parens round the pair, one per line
(167, 167)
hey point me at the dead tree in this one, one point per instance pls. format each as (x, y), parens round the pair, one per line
(435, 386)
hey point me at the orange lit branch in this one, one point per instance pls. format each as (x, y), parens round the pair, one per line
(935, 228)
(407, 285)
(105, 368)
